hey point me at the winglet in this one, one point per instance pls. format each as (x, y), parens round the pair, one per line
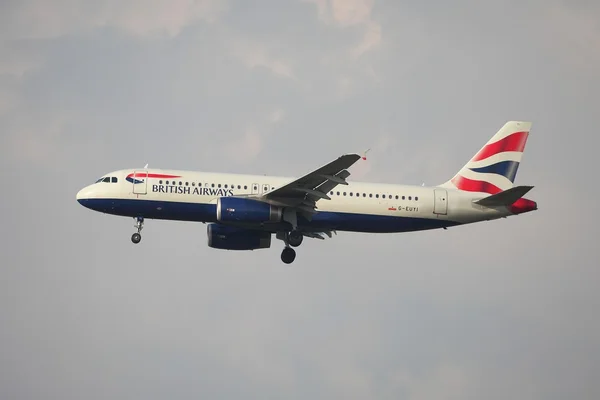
(364, 156)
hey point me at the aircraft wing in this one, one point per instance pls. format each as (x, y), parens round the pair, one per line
(304, 192)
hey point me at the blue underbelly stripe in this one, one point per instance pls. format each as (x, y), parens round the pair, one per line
(325, 220)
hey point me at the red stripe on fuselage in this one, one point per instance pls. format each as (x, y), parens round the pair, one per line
(144, 175)
(513, 142)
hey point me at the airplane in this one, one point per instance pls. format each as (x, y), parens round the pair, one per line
(244, 211)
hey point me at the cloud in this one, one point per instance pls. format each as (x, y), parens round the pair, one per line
(276, 116)
(256, 54)
(31, 19)
(246, 147)
(352, 13)
(322, 8)
(371, 39)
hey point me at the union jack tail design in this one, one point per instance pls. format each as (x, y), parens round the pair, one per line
(494, 168)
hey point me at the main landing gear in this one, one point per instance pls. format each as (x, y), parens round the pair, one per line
(139, 224)
(293, 239)
(288, 255)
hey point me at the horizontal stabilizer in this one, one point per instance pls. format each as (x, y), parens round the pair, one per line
(504, 198)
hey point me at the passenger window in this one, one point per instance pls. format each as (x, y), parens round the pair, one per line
(350, 193)
(245, 187)
(377, 196)
(370, 194)
(212, 185)
(396, 197)
(410, 197)
(193, 183)
(239, 186)
(416, 198)
(187, 184)
(199, 184)
(403, 197)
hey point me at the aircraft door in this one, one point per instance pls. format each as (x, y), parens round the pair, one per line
(440, 202)
(140, 182)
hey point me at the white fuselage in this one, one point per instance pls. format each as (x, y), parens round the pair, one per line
(243, 211)
(358, 206)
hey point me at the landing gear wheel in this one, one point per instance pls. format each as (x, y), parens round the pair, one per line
(139, 224)
(136, 237)
(295, 238)
(288, 255)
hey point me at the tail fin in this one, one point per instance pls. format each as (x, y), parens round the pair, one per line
(494, 168)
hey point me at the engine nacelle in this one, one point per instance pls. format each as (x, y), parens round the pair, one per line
(235, 209)
(232, 238)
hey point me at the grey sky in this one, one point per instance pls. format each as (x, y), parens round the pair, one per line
(505, 309)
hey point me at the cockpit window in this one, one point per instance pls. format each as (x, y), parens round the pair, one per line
(107, 179)
(99, 180)
(113, 179)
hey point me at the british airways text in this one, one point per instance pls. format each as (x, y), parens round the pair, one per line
(192, 190)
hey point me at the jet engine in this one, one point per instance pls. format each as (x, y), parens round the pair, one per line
(232, 238)
(235, 209)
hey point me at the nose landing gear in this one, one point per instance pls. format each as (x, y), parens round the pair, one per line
(137, 237)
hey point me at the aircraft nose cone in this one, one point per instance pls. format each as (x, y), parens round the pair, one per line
(82, 196)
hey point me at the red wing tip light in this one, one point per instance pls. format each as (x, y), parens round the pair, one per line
(364, 156)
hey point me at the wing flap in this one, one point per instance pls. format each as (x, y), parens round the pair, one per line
(319, 235)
